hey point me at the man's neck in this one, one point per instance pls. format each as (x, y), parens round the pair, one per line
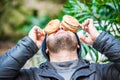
(63, 56)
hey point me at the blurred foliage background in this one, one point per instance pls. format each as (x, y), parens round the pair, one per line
(18, 16)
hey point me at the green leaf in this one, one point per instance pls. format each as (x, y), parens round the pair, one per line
(81, 14)
(96, 53)
(84, 52)
(84, 18)
(88, 51)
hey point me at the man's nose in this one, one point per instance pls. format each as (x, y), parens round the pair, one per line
(61, 27)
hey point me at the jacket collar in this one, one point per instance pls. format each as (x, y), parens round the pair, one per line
(47, 70)
(84, 69)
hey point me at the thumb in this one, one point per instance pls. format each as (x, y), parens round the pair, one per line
(83, 39)
(86, 40)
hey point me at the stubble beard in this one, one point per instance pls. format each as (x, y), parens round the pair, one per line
(62, 42)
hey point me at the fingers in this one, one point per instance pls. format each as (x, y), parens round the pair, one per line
(37, 30)
(88, 22)
(86, 40)
(40, 32)
(37, 35)
(87, 25)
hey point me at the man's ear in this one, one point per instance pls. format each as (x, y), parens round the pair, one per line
(78, 46)
(47, 51)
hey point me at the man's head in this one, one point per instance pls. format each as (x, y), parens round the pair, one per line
(59, 41)
(60, 38)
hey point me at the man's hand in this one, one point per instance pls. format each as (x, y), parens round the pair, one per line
(37, 35)
(89, 27)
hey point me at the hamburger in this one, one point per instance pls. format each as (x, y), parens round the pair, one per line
(52, 26)
(70, 23)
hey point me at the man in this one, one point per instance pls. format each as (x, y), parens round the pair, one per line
(61, 50)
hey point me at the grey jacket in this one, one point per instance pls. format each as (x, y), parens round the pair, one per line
(14, 59)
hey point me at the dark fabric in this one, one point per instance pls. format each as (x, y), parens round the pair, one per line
(47, 56)
(66, 69)
(13, 60)
(44, 47)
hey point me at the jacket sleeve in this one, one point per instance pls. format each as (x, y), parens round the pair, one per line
(110, 47)
(13, 60)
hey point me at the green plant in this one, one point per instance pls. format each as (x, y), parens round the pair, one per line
(32, 21)
(106, 16)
